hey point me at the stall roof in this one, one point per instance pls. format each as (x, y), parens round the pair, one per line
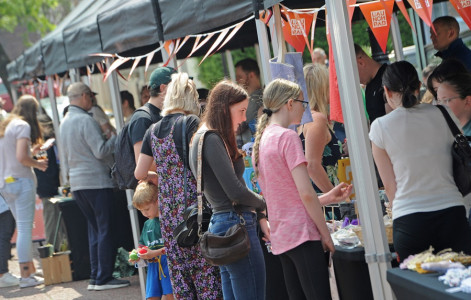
(81, 37)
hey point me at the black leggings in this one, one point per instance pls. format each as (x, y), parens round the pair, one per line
(441, 229)
(305, 271)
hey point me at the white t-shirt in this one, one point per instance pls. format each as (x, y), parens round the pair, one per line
(9, 165)
(418, 142)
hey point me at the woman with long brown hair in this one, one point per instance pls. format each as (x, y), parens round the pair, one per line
(226, 191)
(18, 133)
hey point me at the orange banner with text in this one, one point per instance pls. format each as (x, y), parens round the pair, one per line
(378, 16)
(295, 28)
(463, 7)
(424, 9)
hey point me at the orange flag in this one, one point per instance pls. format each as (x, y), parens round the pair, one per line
(351, 9)
(379, 19)
(464, 9)
(292, 30)
(403, 9)
(424, 9)
(334, 94)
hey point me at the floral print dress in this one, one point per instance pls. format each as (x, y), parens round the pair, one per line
(192, 277)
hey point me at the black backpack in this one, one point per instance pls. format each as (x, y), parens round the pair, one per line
(122, 170)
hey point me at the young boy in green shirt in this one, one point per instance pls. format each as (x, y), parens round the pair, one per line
(158, 279)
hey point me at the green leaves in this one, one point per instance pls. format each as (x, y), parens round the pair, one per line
(31, 14)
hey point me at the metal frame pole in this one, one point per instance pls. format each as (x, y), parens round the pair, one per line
(264, 49)
(230, 64)
(14, 93)
(377, 253)
(396, 38)
(119, 121)
(173, 62)
(56, 124)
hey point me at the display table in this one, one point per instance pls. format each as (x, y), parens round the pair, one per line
(351, 273)
(408, 284)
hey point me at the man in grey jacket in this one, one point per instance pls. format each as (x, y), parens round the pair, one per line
(88, 157)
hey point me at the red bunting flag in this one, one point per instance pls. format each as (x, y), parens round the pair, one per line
(379, 19)
(424, 9)
(351, 9)
(334, 94)
(403, 9)
(463, 7)
(296, 28)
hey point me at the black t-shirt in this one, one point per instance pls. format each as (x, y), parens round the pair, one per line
(141, 121)
(374, 96)
(162, 129)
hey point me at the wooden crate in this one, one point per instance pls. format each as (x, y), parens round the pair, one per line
(56, 268)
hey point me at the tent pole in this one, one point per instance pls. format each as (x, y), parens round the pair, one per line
(119, 121)
(377, 253)
(264, 48)
(14, 93)
(230, 64)
(56, 124)
(396, 38)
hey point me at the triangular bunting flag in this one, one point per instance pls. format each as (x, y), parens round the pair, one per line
(292, 30)
(351, 9)
(403, 9)
(463, 7)
(424, 9)
(377, 17)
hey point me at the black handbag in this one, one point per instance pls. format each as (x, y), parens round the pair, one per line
(461, 154)
(219, 250)
(186, 233)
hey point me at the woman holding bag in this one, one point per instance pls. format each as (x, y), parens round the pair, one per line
(192, 277)
(225, 189)
(412, 149)
(298, 231)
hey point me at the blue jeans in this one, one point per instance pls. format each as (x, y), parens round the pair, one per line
(243, 279)
(21, 197)
(97, 207)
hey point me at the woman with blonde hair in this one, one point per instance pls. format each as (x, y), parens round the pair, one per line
(192, 277)
(20, 138)
(298, 232)
(321, 146)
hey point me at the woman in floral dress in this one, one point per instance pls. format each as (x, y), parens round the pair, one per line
(192, 277)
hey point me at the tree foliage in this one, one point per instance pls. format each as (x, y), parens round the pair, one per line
(31, 14)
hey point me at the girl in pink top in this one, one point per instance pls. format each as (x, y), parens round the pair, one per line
(298, 232)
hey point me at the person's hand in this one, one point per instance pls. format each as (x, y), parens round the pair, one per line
(152, 177)
(149, 254)
(35, 150)
(265, 227)
(42, 164)
(327, 243)
(340, 193)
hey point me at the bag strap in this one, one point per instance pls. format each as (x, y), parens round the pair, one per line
(185, 163)
(457, 134)
(199, 188)
(147, 110)
(452, 125)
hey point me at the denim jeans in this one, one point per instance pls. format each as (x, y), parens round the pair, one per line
(20, 197)
(243, 279)
(97, 206)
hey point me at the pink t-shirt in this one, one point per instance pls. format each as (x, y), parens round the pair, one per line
(290, 224)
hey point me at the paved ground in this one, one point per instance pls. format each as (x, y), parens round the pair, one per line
(66, 291)
(78, 289)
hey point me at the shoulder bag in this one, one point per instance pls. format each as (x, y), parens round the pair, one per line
(461, 154)
(186, 233)
(219, 250)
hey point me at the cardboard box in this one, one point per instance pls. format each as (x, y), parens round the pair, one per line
(56, 268)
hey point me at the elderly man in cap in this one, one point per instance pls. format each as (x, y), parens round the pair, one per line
(88, 157)
(446, 40)
(150, 112)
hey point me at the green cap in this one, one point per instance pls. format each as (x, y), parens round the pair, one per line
(161, 75)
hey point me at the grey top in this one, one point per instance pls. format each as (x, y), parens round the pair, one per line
(88, 155)
(223, 183)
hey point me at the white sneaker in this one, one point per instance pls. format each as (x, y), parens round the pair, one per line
(30, 281)
(9, 280)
